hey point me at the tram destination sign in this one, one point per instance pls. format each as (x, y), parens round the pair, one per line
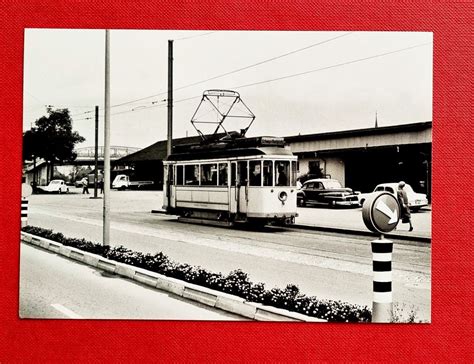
(268, 140)
(381, 213)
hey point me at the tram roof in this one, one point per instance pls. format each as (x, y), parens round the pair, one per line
(230, 148)
(228, 153)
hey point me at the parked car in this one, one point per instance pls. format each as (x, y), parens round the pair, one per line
(56, 185)
(326, 191)
(415, 200)
(307, 176)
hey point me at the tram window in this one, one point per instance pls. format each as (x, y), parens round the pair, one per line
(233, 172)
(242, 170)
(294, 169)
(255, 173)
(268, 173)
(179, 175)
(208, 174)
(282, 169)
(191, 174)
(223, 174)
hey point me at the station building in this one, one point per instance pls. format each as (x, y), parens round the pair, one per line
(363, 158)
(359, 159)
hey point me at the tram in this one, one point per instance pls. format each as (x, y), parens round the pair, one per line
(232, 180)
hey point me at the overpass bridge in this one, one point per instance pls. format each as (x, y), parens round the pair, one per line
(86, 155)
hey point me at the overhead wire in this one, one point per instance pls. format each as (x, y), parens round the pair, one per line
(237, 70)
(333, 66)
(288, 76)
(195, 36)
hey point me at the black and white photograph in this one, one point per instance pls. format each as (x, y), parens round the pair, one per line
(227, 175)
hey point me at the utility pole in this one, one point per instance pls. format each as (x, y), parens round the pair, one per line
(106, 211)
(170, 119)
(170, 97)
(96, 156)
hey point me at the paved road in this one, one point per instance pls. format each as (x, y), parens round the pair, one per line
(54, 287)
(327, 265)
(351, 218)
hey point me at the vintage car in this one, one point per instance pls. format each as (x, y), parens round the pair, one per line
(326, 191)
(56, 186)
(415, 200)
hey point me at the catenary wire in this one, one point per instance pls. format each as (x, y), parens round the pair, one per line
(195, 36)
(290, 76)
(332, 66)
(237, 70)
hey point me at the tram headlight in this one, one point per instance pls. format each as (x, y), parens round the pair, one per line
(282, 196)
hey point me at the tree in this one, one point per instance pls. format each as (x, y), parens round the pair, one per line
(32, 149)
(52, 139)
(78, 172)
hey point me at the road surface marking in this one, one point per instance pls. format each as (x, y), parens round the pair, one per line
(65, 311)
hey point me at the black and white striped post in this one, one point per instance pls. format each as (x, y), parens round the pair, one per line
(381, 213)
(382, 306)
(26, 192)
(24, 211)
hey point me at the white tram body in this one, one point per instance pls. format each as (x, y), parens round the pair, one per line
(249, 180)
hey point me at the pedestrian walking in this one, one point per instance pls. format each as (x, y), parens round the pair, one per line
(85, 185)
(101, 182)
(404, 208)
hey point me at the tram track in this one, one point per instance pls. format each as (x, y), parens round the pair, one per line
(263, 239)
(295, 241)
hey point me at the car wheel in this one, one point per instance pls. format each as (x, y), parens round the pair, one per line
(67, 190)
(59, 191)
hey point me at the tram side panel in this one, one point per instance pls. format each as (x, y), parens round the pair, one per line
(206, 198)
(268, 203)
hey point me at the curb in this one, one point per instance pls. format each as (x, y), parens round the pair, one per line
(360, 232)
(206, 296)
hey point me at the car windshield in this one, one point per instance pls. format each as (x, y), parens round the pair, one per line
(55, 182)
(331, 184)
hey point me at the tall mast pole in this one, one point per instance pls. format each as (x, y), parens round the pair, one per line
(170, 97)
(106, 210)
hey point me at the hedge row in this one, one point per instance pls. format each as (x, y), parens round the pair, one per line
(236, 282)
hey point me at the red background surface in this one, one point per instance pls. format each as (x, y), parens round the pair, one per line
(447, 338)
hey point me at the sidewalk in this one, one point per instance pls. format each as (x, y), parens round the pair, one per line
(350, 220)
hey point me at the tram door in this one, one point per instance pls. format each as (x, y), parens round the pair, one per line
(242, 187)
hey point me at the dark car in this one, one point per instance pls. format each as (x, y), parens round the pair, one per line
(326, 191)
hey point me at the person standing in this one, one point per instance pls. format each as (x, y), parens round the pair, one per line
(85, 186)
(404, 208)
(282, 178)
(256, 176)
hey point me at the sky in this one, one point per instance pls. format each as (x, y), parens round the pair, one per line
(293, 82)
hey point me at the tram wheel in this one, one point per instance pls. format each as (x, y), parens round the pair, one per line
(257, 223)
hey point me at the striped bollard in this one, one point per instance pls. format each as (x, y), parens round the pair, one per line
(382, 266)
(24, 211)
